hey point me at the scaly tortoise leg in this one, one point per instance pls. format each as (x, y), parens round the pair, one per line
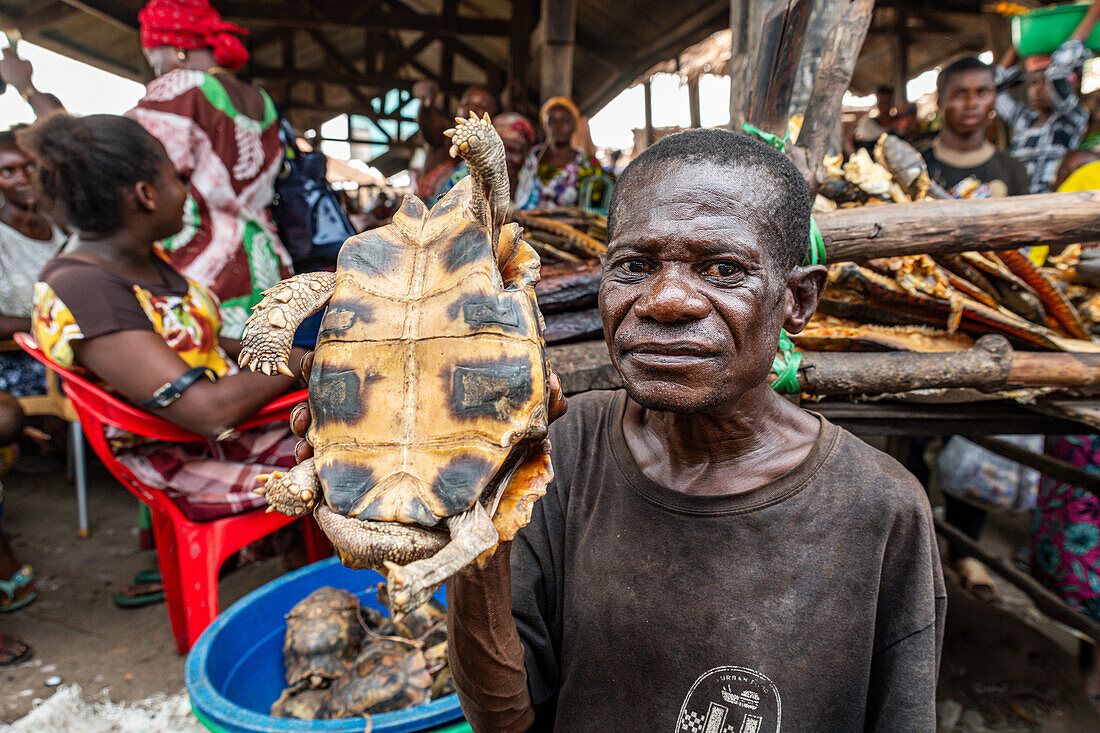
(269, 331)
(410, 586)
(293, 493)
(364, 544)
(480, 145)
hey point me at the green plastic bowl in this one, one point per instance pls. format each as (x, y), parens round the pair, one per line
(1042, 31)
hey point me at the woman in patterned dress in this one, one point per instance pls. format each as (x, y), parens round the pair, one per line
(1065, 541)
(222, 135)
(111, 305)
(555, 171)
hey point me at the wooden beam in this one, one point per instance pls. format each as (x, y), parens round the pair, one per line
(1046, 601)
(693, 102)
(111, 11)
(784, 31)
(648, 97)
(746, 18)
(1044, 464)
(397, 17)
(559, 31)
(957, 225)
(44, 17)
(519, 53)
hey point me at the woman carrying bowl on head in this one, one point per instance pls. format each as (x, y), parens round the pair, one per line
(555, 171)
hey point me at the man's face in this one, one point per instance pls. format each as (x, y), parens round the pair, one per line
(967, 100)
(16, 178)
(1038, 97)
(477, 100)
(690, 298)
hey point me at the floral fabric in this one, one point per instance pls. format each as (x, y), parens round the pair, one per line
(1065, 537)
(543, 186)
(228, 243)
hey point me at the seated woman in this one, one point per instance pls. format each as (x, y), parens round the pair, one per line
(27, 242)
(555, 171)
(110, 305)
(16, 579)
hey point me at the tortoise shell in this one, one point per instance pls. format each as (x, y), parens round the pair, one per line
(428, 371)
(322, 637)
(389, 674)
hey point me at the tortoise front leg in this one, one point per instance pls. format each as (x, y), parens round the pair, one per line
(472, 534)
(269, 331)
(293, 493)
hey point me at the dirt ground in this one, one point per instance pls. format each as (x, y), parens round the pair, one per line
(1005, 668)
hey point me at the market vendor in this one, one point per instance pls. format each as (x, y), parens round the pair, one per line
(438, 163)
(709, 555)
(1053, 121)
(965, 91)
(555, 172)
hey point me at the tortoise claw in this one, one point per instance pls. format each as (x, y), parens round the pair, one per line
(243, 359)
(284, 369)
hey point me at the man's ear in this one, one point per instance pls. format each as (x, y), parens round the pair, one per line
(804, 287)
(145, 196)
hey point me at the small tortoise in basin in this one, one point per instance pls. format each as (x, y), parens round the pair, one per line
(429, 386)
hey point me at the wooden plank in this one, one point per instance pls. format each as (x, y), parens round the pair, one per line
(559, 30)
(1046, 601)
(1046, 465)
(942, 227)
(781, 42)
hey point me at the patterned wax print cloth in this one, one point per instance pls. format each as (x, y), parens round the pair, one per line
(1065, 531)
(1041, 147)
(542, 186)
(228, 242)
(208, 479)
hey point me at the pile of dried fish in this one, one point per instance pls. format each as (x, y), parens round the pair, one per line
(345, 660)
(565, 234)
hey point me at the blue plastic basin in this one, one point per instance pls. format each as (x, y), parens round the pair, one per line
(235, 671)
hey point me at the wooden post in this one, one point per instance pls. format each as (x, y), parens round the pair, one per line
(559, 27)
(693, 102)
(901, 59)
(746, 17)
(782, 33)
(519, 55)
(825, 15)
(647, 86)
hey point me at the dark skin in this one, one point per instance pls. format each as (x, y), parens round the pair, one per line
(137, 363)
(20, 212)
(515, 152)
(11, 427)
(966, 102)
(559, 125)
(434, 121)
(692, 301)
(692, 304)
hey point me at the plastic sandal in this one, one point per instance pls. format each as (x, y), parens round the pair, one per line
(149, 575)
(138, 595)
(5, 644)
(22, 578)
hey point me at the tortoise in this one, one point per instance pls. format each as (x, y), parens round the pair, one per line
(301, 703)
(322, 637)
(388, 674)
(429, 388)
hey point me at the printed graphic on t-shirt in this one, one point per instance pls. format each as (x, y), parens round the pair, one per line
(731, 700)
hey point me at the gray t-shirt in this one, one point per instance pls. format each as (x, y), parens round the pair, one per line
(21, 259)
(814, 603)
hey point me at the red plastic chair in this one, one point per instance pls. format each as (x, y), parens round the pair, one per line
(189, 553)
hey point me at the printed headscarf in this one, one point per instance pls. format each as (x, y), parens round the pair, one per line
(190, 24)
(517, 122)
(564, 102)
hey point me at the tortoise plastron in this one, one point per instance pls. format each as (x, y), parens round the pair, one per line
(429, 387)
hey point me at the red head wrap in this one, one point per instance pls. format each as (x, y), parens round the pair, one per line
(190, 24)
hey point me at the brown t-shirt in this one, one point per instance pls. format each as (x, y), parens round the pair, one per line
(814, 603)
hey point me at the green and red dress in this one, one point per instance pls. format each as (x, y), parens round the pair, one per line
(228, 243)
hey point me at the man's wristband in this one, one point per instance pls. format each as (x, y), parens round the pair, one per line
(171, 391)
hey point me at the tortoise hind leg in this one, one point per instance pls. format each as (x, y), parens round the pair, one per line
(472, 534)
(293, 493)
(269, 331)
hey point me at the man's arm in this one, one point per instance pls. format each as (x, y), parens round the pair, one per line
(484, 649)
(1064, 62)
